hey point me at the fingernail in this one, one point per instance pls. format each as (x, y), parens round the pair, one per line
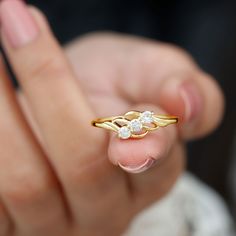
(17, 24)
(135, 169)
(192, 100)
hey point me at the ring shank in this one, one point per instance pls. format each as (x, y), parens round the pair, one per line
(168, 118)
(105, 119)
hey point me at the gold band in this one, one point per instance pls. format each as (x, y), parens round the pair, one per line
(134, 124)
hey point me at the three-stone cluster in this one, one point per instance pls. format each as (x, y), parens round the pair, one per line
(136, 125)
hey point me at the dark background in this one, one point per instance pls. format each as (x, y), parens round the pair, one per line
(207, 29)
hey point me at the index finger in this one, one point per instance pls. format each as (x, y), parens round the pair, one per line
(56, 100)
(45, 76)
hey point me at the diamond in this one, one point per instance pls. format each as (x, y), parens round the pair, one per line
(124, 132)
(146, 117)
(136, 125)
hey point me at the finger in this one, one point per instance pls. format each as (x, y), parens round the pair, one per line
(198, 101)
(101, 175)
(58, 105)
(27, 185)
(44, 76)
(167, 76)
(150, 72)
(137, 155)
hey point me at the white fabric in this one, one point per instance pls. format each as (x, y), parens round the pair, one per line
(190, 209)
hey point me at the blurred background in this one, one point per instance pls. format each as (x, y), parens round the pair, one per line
(206, 29)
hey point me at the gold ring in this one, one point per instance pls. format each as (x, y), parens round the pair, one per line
(134, 124)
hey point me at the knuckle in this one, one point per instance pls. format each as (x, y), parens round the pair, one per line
(49, 68)
(171, 50)
(26, 191)
(81, 176)
(169, 55)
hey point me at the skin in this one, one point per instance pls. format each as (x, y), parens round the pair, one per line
(59, 175)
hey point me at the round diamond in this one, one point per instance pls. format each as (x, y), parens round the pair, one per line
(136, 125)
(124, 132)
(146, 117)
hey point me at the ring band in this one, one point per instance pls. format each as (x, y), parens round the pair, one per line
(134, 124)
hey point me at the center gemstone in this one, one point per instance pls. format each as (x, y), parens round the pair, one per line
(135, 125)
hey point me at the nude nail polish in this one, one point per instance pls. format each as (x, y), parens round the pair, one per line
(135, 169)
(17, 24)
(192, 100)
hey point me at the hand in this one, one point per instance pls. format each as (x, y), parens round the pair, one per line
(55, 175)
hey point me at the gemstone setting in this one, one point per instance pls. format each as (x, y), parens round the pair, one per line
(136, 125)
(146, 117)
(124, 132)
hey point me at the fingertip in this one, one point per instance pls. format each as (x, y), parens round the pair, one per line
(137, 155)
(198, 101)
(214, 105)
